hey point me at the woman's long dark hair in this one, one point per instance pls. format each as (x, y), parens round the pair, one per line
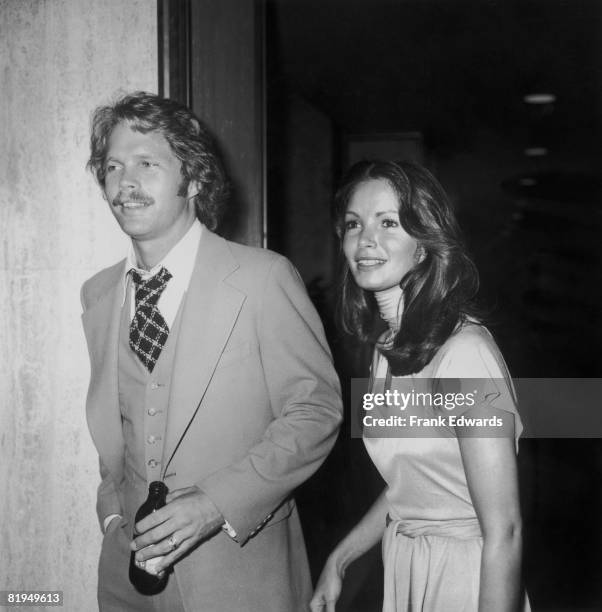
(437, 292)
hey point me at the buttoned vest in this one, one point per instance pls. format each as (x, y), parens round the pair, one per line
(143, 401)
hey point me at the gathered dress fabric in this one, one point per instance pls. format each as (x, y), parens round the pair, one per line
(433, 543)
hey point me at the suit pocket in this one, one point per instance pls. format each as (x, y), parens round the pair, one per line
(234, 354)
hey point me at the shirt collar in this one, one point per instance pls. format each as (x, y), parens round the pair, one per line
(179, 261)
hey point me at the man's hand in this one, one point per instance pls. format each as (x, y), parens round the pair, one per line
(189, 517)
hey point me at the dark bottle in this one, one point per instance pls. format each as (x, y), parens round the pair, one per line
(145, 583)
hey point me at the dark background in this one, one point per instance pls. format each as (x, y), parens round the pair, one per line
(455, 74)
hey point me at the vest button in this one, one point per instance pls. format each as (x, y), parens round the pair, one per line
(151, 439)
(152, 463)
(152, 412)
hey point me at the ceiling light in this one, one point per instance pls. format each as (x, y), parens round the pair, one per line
(540, 98)
(536, 151)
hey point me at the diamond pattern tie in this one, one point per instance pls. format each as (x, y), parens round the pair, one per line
(148, 329)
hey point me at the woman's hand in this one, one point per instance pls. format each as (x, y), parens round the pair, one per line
(328, 589)
(367, 533)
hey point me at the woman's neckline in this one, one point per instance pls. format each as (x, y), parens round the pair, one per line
(390, 306)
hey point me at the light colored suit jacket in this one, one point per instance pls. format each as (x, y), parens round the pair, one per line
(254, 409)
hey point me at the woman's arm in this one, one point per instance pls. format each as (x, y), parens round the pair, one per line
(491, 473)
(361, 538)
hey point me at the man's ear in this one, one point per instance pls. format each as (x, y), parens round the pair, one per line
(193, 189)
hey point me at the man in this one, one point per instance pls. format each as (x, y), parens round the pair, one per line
(209, 371)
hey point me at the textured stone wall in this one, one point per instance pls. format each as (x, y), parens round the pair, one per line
(58, 59)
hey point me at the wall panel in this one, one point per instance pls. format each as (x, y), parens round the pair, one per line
(227, 69)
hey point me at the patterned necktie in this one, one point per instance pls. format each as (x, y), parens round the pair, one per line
(148, 329)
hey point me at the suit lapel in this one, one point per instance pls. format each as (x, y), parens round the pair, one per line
(209, 313)
(101, 326)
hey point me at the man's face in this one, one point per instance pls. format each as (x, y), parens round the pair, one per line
(143, 186)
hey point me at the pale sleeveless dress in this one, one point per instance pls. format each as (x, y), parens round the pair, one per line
(432, 545)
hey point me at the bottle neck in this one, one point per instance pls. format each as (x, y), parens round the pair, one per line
(157, 489)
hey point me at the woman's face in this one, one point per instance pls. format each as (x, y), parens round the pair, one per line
(378, 250)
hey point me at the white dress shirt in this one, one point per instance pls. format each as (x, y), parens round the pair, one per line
(179, 262)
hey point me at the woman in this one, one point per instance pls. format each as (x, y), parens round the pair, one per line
(449, 517)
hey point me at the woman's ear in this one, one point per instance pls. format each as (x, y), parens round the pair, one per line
(419, 254)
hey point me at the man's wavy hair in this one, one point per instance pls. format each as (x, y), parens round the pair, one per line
(188, 138)
(437, 291)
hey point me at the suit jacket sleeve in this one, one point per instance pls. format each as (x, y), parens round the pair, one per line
(305, 397)
(107, 499)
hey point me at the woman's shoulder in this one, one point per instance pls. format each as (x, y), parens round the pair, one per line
(469, 335)
(470, 352)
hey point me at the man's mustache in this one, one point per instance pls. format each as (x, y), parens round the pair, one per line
(132, 196)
